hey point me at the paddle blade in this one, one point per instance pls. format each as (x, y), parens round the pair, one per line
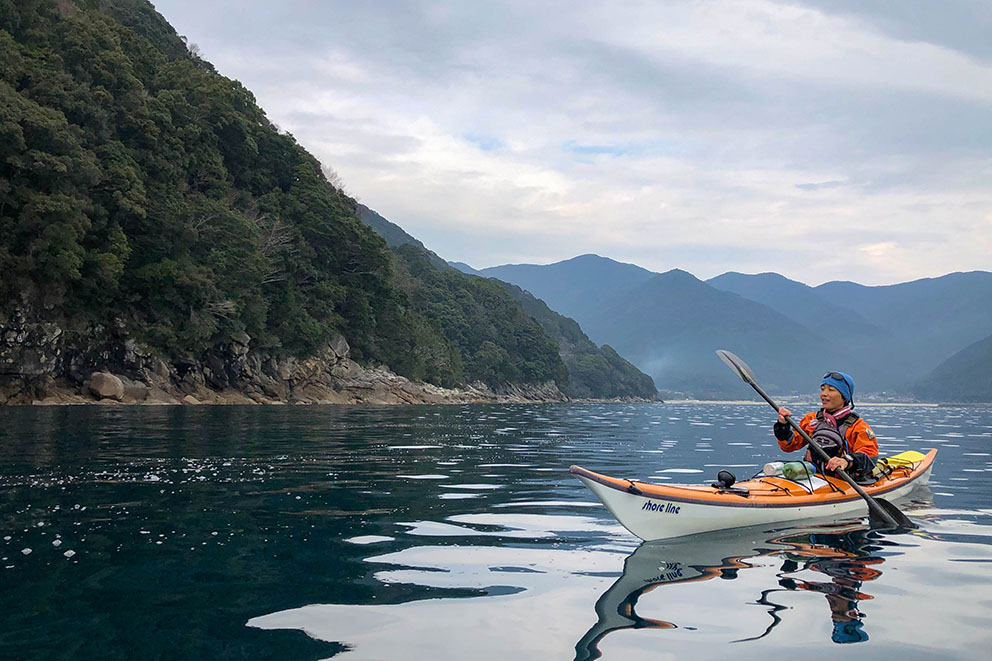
(735, 363)
(902, 521)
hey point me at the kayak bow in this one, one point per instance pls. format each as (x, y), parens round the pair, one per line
(656, 511)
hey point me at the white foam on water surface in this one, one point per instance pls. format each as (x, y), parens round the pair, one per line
(475, 487)
(547, 503)
(369, 539)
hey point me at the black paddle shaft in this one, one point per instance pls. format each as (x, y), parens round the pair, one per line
(875, 511)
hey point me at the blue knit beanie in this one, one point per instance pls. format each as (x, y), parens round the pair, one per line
(844, 384)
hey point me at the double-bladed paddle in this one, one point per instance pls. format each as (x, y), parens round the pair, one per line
(879, 509)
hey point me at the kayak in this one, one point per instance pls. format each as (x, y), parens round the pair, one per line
(663, 511)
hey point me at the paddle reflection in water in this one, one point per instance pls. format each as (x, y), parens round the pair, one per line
(848, 556)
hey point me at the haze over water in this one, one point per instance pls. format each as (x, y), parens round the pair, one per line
(456, 531)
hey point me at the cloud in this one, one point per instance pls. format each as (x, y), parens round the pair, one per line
(823, 185)
(960, 25)
(716, 136)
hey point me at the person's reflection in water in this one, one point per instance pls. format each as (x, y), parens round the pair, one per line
(846, 559)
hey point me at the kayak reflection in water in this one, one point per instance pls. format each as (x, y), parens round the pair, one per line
(846, 557)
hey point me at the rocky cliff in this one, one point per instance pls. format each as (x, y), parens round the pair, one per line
(42, 363)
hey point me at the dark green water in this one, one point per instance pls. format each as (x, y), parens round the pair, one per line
(454, 532)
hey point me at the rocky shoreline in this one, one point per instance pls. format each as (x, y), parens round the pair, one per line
(40, 365)
(370, 386)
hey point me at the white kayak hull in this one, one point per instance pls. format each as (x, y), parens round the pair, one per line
(663, 512)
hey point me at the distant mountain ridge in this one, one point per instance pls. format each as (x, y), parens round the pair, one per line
(964, 377)
(947, 313)
(898, 332)
(556, 283)
(669, 324)
(791, 298)
(464, 268)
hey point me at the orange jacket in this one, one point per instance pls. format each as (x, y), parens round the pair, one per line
(860, 437)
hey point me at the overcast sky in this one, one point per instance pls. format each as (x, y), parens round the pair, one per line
(820, 139)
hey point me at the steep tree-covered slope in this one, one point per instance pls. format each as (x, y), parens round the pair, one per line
(491, 337)
(153, 189)
(395, 236)
(145, 197)
(598, 372)
(592, 372)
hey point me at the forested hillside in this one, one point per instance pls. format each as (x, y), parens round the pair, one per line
(138, 182)
(146, 198)
(592, 371)
(395, 236)
(487, 335)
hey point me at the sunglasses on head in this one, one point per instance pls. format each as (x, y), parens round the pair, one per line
(838, 376)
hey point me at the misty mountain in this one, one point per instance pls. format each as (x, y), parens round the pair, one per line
(834, 319)
(964, 377)
(931, 318)
(669, 324)
(577, 287)
(898, 333)
(795, 300)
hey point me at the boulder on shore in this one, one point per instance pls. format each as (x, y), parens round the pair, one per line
(106, 386)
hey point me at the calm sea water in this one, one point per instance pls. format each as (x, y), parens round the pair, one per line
(456, 532)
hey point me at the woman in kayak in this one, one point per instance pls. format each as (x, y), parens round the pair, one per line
(841, 432)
